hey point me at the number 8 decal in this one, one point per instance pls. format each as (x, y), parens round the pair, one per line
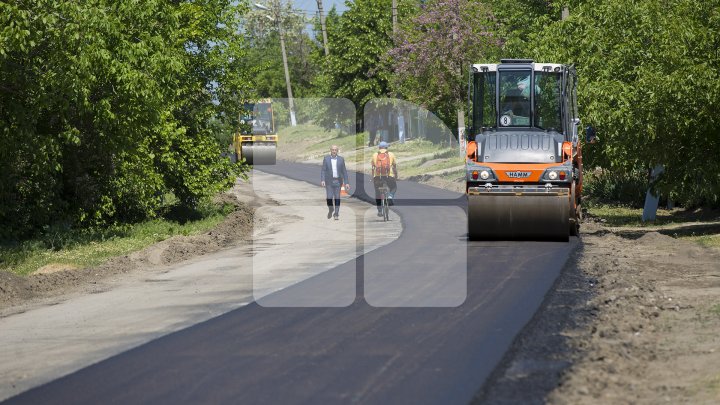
(505, 120)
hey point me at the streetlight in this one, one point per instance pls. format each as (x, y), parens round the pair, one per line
(278, 23)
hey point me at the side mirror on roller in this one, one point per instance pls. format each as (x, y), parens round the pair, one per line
(590, 134)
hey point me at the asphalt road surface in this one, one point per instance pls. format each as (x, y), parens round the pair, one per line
(426, 320)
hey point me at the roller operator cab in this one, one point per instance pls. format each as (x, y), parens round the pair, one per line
(524, 163)
(256, 138)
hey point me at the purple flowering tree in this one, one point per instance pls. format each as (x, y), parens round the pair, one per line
(434, 50)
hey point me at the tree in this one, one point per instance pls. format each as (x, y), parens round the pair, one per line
(264, 55)
(650, 82)
(518, 20)
(107, 105)
(358, 39)
(435, 49)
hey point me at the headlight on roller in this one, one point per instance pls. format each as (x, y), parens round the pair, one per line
(560, 173)
(480, 173)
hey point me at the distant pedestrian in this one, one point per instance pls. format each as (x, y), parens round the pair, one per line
(372, 127)
(333, 176)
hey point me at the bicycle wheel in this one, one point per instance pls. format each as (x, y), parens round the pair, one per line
(386, 210)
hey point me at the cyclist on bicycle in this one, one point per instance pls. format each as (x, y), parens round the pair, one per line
(384, 170)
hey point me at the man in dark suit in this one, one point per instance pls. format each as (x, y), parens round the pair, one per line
(333, 176)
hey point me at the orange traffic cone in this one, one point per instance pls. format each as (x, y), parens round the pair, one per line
(343, 192)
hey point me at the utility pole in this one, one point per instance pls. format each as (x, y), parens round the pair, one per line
(277, 18)
(293, 122)
(394, 18)
(322, 25)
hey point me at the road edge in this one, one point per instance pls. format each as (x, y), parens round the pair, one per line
(542, 352)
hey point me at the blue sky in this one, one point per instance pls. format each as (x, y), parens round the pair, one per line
(310, 9)
(311, 5)
(339, 4)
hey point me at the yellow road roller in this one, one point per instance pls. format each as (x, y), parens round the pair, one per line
(256, 138)
(524, 161)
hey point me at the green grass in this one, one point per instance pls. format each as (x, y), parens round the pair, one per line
(91, 247)
(698, 226)
(345, 142)
(310, 140)
(416, 147)
(455, 176)
(618, 215)
(304, 133)
(413, 154)
(446, 158)
(415, 168)
(712, 241)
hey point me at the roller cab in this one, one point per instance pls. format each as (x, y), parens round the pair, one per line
(524, 167)
(256, 139)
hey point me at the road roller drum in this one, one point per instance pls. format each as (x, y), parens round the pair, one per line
(515, 217)
(259, 154)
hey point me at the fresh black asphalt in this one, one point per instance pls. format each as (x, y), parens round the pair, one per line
(429, 344)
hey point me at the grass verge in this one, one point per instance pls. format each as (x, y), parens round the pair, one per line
(439, 161)
(618, 215)
(700, 226)
(90, 247)
(308, 141)
(712, 241)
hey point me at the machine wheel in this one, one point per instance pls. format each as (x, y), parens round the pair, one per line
(508, 217)
(259, 154)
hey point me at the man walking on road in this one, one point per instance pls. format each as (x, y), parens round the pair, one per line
(333, 176)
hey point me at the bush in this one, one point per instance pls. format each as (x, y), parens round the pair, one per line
(106, 106)
(602, 186)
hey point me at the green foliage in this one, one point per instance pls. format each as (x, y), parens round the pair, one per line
(264, 56)
(358, 40)
(434, 49)
(78, 248)
(222, 131)
(615, 187)
(519, 19)
(650, 84)
(107, 104)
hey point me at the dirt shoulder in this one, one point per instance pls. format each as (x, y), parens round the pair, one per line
(16, 291)
(655, 331)
(634, 318)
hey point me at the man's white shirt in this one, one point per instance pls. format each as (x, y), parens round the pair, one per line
(333, 161)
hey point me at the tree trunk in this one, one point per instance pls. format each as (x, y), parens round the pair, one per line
(461, 130)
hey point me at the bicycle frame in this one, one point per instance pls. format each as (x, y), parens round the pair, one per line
(384, 190)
